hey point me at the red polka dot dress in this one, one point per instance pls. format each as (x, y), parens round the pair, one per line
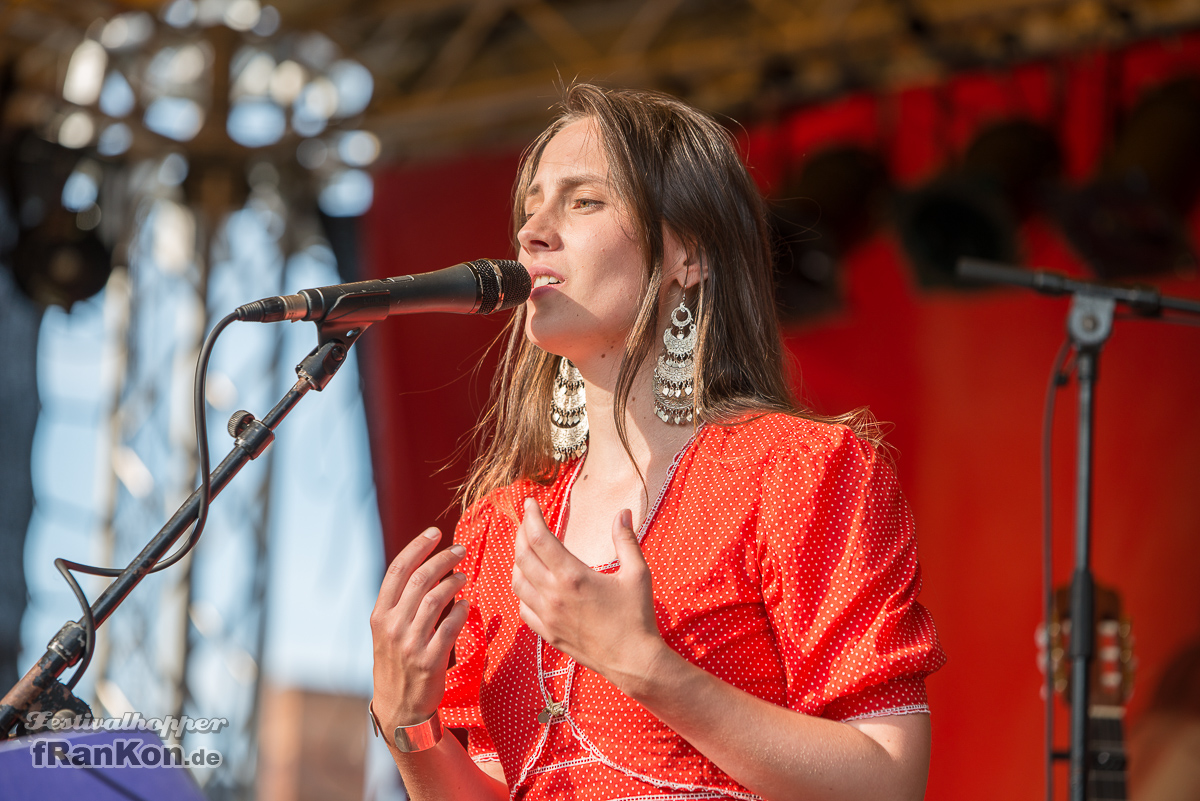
(784, 562)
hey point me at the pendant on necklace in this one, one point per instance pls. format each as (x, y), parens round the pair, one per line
(553, 709)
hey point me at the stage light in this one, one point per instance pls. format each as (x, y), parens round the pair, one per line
(177, 118)
(183, 66)
(256, 123)
(114, 140)
(116, 96)
(173, 170)
(354, 86)
(60, 264)
(1132, 220)
(316, 50)
(268, 22)
(173, 234)
(57, 258)
(126, 31)
(85, 73)
(319, 98)
(252, 71)
(210, 13)
(974, 209)
(242, 15)
(286, 82)
(306, 123)
(831, 205)
(76, 130)
(358, 148)
(82, 187)
(87, 219)
(951, 218)
(348, 193)
(180, 14)
(125, 85)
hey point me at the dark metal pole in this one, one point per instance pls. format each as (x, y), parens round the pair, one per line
(1082, 583)
(1089, 324)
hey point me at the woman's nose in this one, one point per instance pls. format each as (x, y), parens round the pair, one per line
(539, 232)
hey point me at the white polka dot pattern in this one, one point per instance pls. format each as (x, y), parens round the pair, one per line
(784, 562)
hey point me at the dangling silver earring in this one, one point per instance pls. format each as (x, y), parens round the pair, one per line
(675, 373)
(568, 413)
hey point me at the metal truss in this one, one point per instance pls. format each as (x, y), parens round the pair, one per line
(459, 74)
(189, 641)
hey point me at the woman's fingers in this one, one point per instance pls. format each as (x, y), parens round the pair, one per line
(527, 561)
(411, 648)
(448, 630)
(402, 567)
(424, 579)
(540, 542)
(414, 594)
(525, 589)
(430, 607)
(626, 544)
(530, 618)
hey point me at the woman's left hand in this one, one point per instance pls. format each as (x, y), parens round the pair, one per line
(604, 621)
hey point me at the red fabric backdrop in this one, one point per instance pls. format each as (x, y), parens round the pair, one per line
(961, 376)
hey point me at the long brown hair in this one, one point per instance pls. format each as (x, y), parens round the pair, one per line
(671, 166)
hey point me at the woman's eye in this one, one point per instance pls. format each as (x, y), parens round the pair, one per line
(586, 203)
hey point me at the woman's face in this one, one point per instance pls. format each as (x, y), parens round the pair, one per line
(578, 245)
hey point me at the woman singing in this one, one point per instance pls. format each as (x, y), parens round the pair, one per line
(671, 581)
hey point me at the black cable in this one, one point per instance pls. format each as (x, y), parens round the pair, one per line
(89, 622)
(65, 566)
(1057, 379)
(201, 440)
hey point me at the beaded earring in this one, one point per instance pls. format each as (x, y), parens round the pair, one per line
(568, 413)
(675, 373)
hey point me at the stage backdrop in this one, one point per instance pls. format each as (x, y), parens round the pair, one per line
(961, 376)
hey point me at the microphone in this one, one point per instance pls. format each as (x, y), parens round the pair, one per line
(474, 287)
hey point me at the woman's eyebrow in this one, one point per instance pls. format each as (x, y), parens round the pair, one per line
(574, 181)
(569, 182)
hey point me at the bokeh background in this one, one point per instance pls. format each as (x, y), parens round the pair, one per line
(162, 163)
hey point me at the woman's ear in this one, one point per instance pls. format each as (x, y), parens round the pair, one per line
(683, 263)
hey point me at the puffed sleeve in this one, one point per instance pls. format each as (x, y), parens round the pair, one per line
(840, 578)
(460, 704)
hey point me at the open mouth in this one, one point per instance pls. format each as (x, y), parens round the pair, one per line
(544, 280)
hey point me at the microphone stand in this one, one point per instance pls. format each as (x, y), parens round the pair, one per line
(39, 689)
(1089, 324)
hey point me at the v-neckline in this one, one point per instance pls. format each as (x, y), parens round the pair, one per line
(560, 526)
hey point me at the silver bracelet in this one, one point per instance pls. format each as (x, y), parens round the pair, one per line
(410, 739)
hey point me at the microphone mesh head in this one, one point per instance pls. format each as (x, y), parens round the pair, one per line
(489, 285)
(513, 285)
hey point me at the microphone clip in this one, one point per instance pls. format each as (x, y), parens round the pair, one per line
(333, 346)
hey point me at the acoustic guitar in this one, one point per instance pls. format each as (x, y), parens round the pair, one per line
(1111, 685)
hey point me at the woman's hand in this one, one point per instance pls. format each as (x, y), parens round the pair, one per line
(605, 622)
(411, 648)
